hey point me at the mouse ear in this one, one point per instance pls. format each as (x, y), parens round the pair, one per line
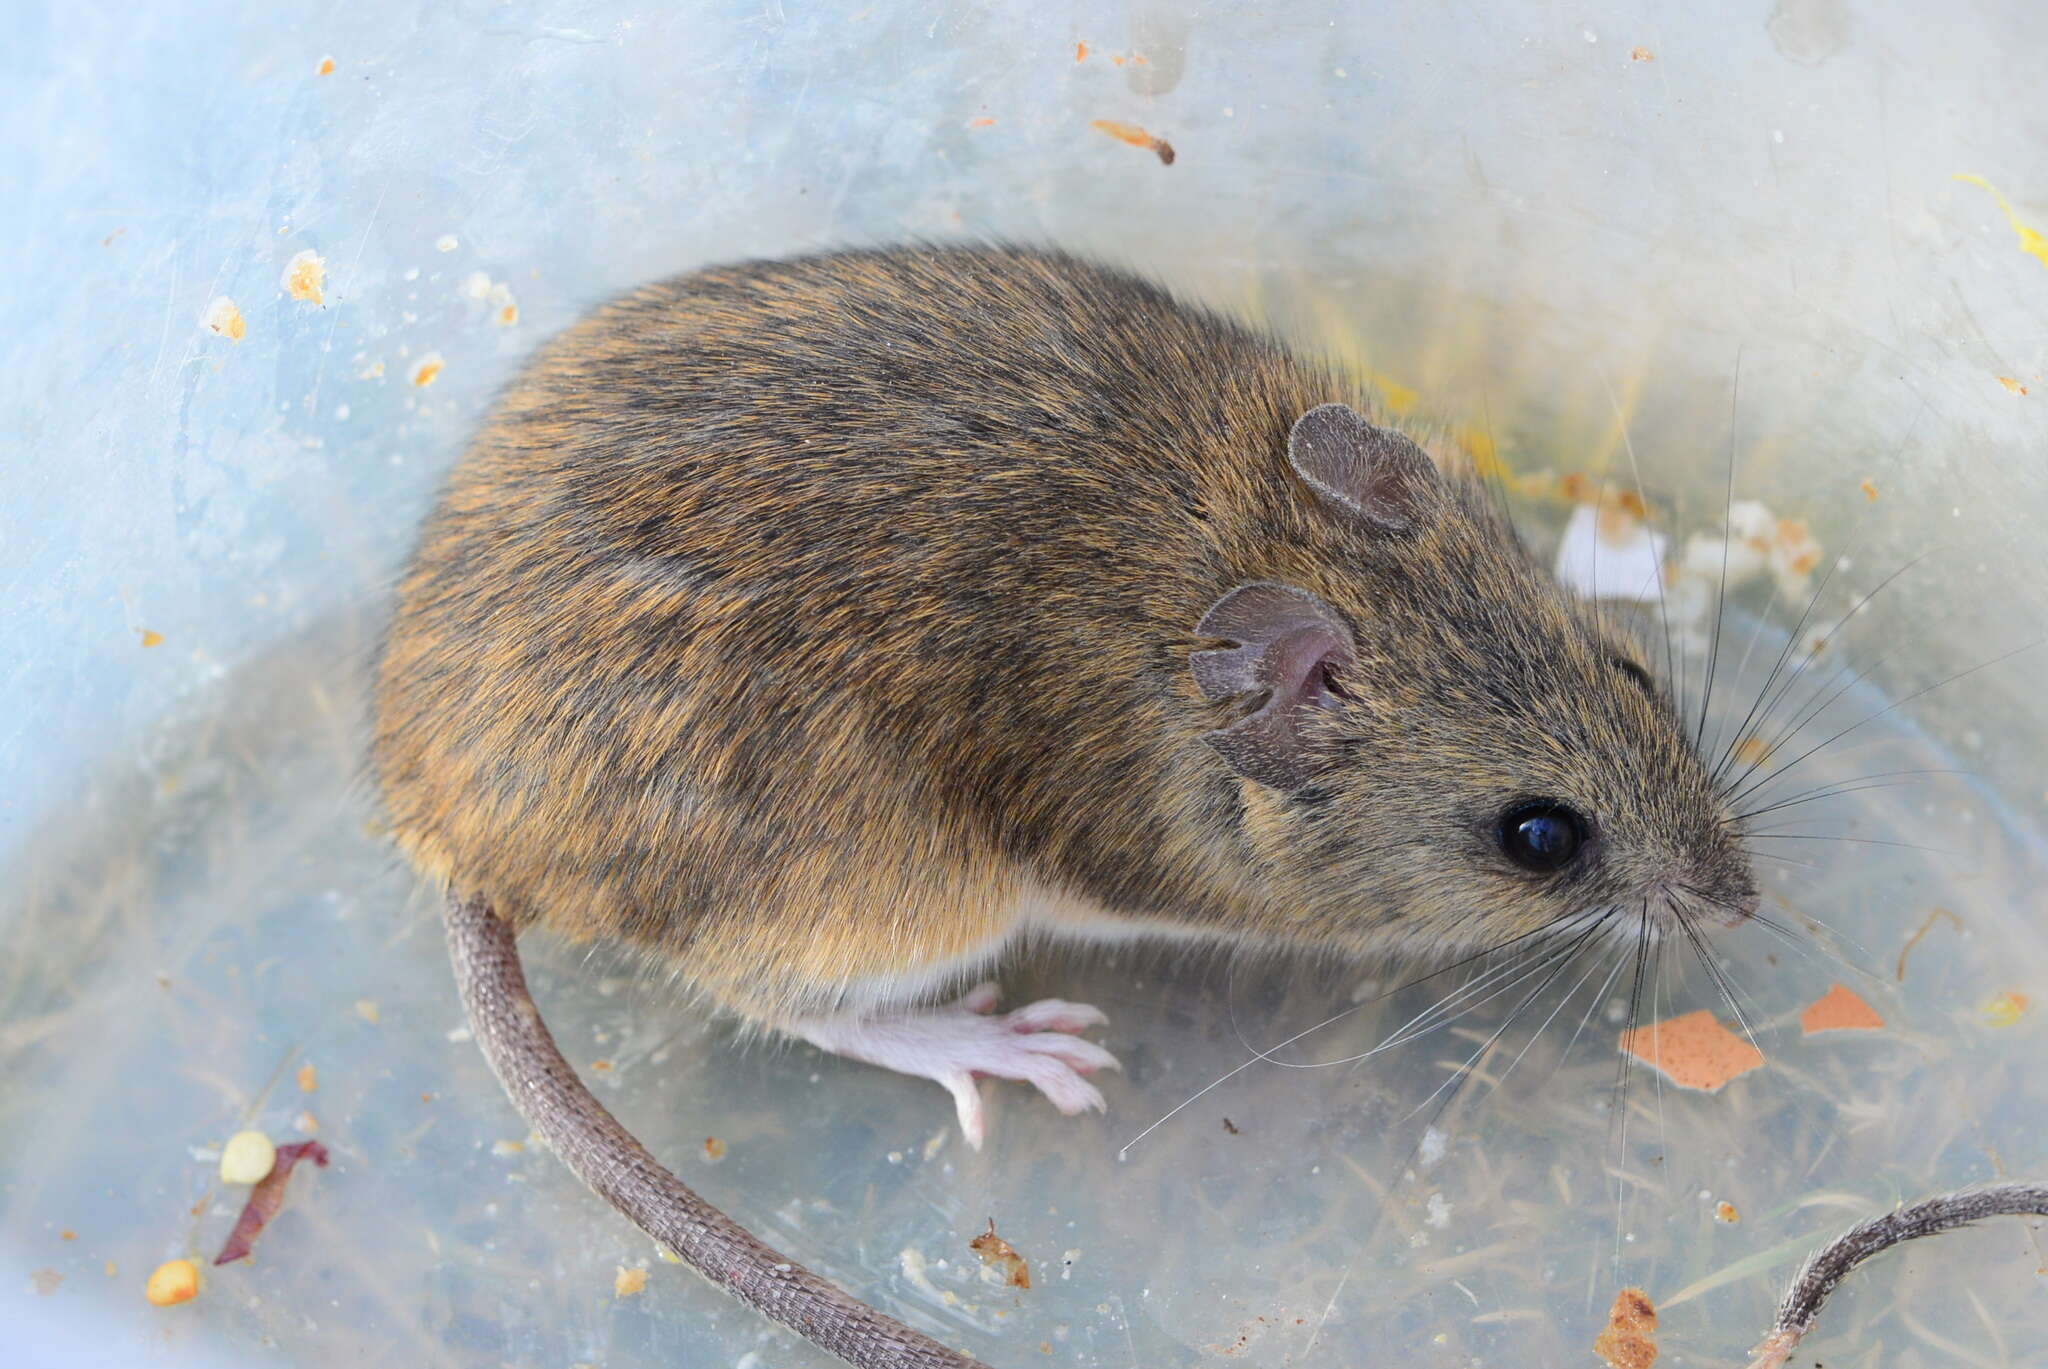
(1287, 641)
(1376, 473)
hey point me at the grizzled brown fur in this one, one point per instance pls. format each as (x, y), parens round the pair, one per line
(797, 622)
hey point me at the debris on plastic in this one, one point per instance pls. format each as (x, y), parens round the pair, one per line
(150, 639)
(628, 1280)
(1136, 137)
(45, 1281)
(2031, 241)
(2013, 385)
(714, 1149)
(1693, 1051)
(1641, 55)
(1914, 940)
(247, 1158)
(225, 318)
(268, 1199)
(305, 277)
(999, 1255)
(367, 1009)
(2005, 1009)
(429, 368)
(309, 1078)
(1080, 52)
(1630, 1340)
(1869, 488)
(326, 67)
(1840, 1009)
(1725, 1212)
(172, 1282)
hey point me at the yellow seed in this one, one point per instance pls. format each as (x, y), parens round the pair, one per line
(247, 1158)
(174, 1281)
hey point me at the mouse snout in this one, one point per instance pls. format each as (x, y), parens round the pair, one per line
(1718, 890)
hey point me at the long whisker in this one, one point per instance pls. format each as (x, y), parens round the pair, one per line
(1853, 785)
(1721, 591)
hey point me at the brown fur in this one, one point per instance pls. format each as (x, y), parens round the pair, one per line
(791, 620)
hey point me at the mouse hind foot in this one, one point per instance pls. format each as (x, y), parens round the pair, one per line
(957, 1043)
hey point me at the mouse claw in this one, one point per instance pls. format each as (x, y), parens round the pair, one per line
(958, 1043)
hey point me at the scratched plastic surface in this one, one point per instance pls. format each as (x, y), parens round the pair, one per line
(1664, 233)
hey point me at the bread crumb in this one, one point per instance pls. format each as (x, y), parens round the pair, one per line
(983, 122)
(305, 276)
(714, 1149)
(150, 639)
(429, 368)
(309, 1079)
(172, 1282)
(223, 317)
(1693, 1051)
(1629, 1342)
(1080, 52)
(2005, 1009)
(326, 67)
(1869, 488)
(1839, 1009)
(627, 1282)
(1725, 1212)
(1641, 55)
(2013, 385)
(1002, 1257)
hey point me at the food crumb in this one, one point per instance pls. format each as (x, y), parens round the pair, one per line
(326, 67)
(247, 1158)
(45, 1281)
(1869, 488)
(1231, 1127)
(1693, 1051)
(2005, 1009)
(1752, 750)
(2031, 241)
(223, 317)
(2013, 385)
(999, 1255)
(430, 366)
(714, 1149)
(1136, 137)
(505, 1148)
(1839, 1009)
(172, 1282)
(309, 1078)
(446, 243)
(982, 122)
(304, 277)
(1629, 1342)
(367, 1009)
(1725, 1212)
(67, 1234)
(627, 1281)
(1080, 52)
(1641, 55)
(508, 316)
(113, 1270)
(150, 638)
(306, 1123)
(601, 1066)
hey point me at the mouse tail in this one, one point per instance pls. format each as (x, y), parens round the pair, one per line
(1832, 1264)
(604, 1155)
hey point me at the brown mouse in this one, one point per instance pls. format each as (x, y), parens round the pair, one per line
(823, 627)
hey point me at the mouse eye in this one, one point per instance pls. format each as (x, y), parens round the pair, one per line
(1542, 836)
(1640, 676)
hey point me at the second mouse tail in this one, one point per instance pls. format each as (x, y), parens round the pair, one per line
(620, 1170)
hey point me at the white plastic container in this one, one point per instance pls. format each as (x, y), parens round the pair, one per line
(1739, 230)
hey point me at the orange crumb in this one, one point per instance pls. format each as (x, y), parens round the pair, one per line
(223, 317)
(2009, 383)
(1725, 1212)
(627, 1282)
(1117, 59)
(601, 1066)
(174, 1281)
(1693, 1051)
(304, 277)
(1136, 137)
(1869, 489)
(309, 1078)
(1752, 750)
(999, 1255)
(1630, 1341)
(2005, 1009)
(68, 1234)
(983, 122)
(508, 316)
(1080, 52)
(429, 368)
(1641, 55)
(1839, 1010)
(326, 67)
(152, 638)
(714, 1149)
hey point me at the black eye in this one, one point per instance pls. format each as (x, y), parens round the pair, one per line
(1541, 836)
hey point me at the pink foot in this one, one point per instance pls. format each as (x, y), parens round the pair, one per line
(955, 1043)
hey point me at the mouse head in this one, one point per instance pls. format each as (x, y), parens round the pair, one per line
(1440, 742)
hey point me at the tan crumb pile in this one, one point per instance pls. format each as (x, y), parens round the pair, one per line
(1693, 1051)
(305, 277)
(1840, 1009)
(999, 1255)
(627, 1282)
(1630, 1340)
